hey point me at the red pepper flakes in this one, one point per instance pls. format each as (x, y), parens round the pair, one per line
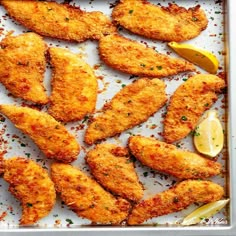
(96, 66)
(57, 222)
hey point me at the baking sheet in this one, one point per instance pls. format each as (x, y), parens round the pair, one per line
(110, 82)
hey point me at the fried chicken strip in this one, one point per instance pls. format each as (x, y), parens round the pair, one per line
(86, 197)
(22, 66)
(134, 104)
(31, 185)
(135, 58)
(188, 103)
(113, 169)
(61, 21)
(51, 137)
(172, 23)
(176, 199)
(74, 86)
(171, 160)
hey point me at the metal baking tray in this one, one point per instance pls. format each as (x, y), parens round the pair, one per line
(217, 38)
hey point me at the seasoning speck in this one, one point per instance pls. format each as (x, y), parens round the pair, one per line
(184, 118)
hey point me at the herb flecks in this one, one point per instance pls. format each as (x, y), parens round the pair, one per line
(29, 204)
(27, 154)
(196, 132)
(184, 118)
(178, 145)
(175, 200)
(145, 174)
(131, 11)
(69, 221)
(85, 119)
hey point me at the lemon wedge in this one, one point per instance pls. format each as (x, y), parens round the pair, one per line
(200, 57)
(204, 212)
(208, 136)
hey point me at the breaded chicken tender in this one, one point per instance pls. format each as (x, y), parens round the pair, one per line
(135, 58)
(188, 103)
(31, 185)
(51, 136)
(113, 169)
(74, 86)
(61, 21)
(171, 160)
(86, 197)
(134, 104)
(172, 23)
(176, 199)
(22, 66)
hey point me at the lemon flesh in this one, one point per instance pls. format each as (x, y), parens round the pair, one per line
(204, 59)
(208, 136)
(204, 212)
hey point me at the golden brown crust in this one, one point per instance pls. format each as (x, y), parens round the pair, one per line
(22, 66)
(188, 103)
(1, 164)
(134, 104)
(113, 169)
(171, 160)
(86, 197)
(175, 199)
(135, 58)
(74, 86)
(31, 185)
(60, 21)
(172, 23)
(51, 136)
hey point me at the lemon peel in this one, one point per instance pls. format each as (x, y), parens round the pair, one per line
(203, 58)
